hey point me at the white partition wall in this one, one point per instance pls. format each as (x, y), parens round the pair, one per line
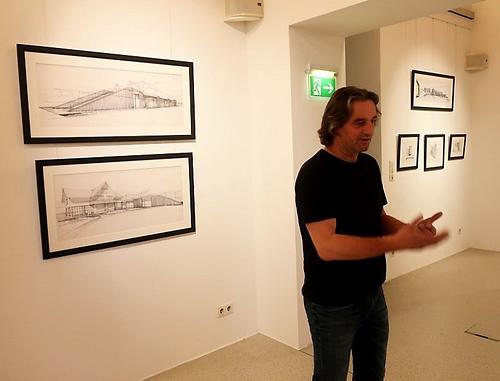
(485, 209)
(131, 311)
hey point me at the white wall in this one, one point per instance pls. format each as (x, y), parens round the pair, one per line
(430, 45)
(362, 54)
(131, 311)
(483, 148)
(309, 47)
(270, 116)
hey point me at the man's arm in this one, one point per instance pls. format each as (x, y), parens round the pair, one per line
(332, 246)
(390, 224)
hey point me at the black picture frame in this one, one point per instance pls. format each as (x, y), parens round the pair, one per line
(78, 96)
(456, 146)
(94, 203)
(434, 152)
(408, 151)
(432, 91)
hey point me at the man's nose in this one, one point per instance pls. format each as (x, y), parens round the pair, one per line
(369, 128)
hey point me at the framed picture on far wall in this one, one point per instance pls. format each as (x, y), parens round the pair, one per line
(433, 152)
(407, 152)
(95, 203)
(74, 96)
(432, 91)
(456, 147)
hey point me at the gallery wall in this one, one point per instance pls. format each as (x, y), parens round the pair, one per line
(270, 118)
(362, 53)
(309, 48)
(435, 46)
(485, 182)
(131, 311)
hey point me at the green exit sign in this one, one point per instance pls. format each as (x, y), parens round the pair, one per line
(322, 86)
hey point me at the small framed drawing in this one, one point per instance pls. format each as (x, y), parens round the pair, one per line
(95, 203)
(408, 152)
(456, 147)
(432, 91)
(434, 152)
(73, 96)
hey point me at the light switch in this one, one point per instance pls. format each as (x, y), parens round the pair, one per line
(391, 170)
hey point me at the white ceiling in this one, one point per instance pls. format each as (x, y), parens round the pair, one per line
(373, 14)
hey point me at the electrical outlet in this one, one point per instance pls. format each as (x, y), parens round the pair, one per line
(225, 310)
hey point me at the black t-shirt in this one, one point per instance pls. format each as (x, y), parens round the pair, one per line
(352, 193)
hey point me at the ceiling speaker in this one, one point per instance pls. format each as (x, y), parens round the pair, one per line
(476, 62)
(244, 10)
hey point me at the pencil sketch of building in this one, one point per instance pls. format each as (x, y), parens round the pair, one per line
(105, 100)
(429, 92)
(103, 200)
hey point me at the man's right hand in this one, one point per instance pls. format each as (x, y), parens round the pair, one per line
(419, 233)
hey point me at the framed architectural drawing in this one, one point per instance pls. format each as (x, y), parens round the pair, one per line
(407, 152)
(95, 203)
(71, 96)
(456, 146)
(434, 152)
(432, 91)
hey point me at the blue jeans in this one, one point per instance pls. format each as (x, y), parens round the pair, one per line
(362, 327)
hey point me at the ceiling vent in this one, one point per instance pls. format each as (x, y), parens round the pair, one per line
(461, 17)
(462, 12)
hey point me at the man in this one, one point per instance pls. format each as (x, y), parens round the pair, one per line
(345, 234)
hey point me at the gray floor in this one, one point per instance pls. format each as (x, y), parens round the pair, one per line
(430, 311)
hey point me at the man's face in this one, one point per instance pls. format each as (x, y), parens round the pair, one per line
(355, 136)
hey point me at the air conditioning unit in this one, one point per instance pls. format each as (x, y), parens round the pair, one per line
(462, 17)
(244, 10)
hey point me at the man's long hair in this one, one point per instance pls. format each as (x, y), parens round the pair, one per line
(339, 109)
